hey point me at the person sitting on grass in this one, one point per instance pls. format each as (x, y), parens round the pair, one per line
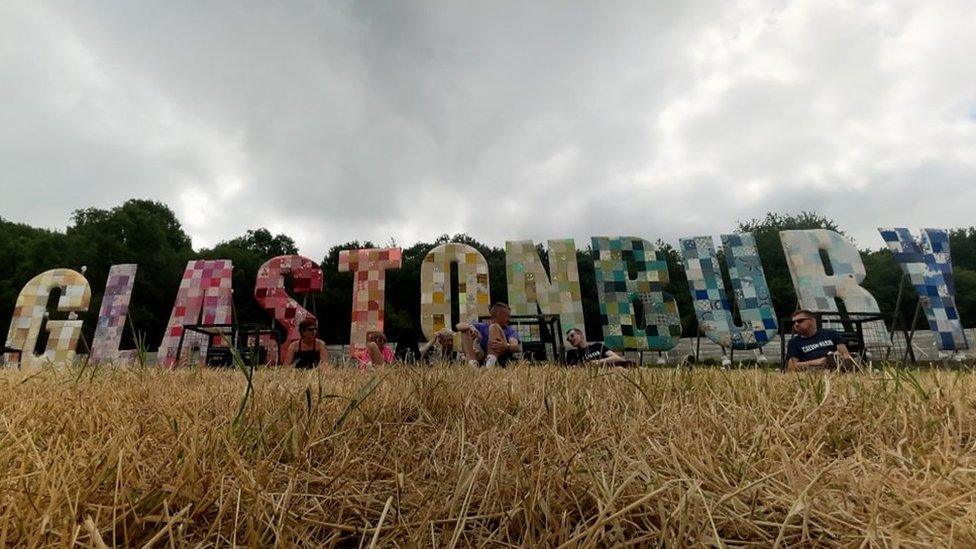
(307, 351)
(812, 348)
(376, 352)
(490, 343)
(440, 348)
(583, 352)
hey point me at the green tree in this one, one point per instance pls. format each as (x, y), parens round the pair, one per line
(139, 231)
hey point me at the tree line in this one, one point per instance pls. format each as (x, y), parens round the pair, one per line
(149, 234)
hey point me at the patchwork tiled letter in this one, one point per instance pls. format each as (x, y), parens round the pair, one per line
(204, 297)
(618, 292)
(29, 310)
(112, 315)
(928, 264)
(269, 290)
(435, 286)
(531, 290)
(817, 291)
(369, 288)
(712, 306)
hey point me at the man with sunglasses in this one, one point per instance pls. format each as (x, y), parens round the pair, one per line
(814, 348)
(584, 352)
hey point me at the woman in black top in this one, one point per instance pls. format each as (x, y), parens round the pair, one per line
(308, 351)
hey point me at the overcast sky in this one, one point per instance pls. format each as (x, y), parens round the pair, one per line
(525, 120)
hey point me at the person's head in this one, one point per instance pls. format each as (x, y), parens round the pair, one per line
(804, 322)
(376, 337)
(500, 313)
(308, 328)
(445, 339)
(575, 337)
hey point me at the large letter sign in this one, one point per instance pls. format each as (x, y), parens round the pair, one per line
(29, 311)
(112, 315)
(818, 291)
(435, 286)
(369, 288)
(712, 306)
(928, 265)
(531, 290)
(618, 292)
(269, 290)
(204, 297)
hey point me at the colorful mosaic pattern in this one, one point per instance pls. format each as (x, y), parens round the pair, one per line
(749, 288)
(817, 291)
(928, 264)
(269, 289)
(29, 310)
(531, 290)
(618, 292)
(435, 290)
(369, 288)
(112, 315)
(204, 297)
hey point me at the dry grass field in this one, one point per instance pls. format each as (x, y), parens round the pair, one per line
(455, 457)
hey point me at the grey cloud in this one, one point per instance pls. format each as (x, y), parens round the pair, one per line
(362, 120)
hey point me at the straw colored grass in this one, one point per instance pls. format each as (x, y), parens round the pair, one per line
(458, 457)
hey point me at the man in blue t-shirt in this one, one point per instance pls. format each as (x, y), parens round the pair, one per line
(813, 348)
(490, 343)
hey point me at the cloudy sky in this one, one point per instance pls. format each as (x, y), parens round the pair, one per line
(524, 120)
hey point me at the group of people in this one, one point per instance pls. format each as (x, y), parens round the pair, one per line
(495, 342)
(490, 343)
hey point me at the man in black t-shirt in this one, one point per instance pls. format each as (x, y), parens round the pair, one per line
(583, 352)
(813, 348)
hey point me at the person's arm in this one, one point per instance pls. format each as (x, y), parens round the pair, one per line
(430, 344)
(374, 354)
(426, 347)
(794, 365)
(289, 354)
(843, 351)
(514, 345)
(323, 353)
(497, 345)
(610, 357)
(468, 328)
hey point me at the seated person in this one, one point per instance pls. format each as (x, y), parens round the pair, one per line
(307, 351)
(490, 343)
(440, 348)
(376, 352)
(813, 348)
(583, 352)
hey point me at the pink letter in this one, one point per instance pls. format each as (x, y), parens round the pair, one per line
(204, 297)
(269, 290)
(368, 302)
